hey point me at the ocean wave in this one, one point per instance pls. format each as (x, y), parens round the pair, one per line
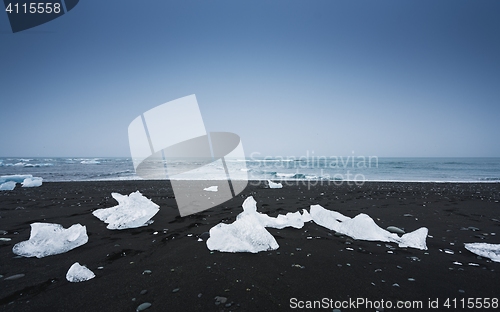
(490, 179)
(90, 162)
(39, 165)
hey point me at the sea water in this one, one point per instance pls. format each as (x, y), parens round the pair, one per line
(350, 168)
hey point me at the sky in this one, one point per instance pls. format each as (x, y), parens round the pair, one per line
(365, 78)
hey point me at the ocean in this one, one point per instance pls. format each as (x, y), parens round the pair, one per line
(352, 168)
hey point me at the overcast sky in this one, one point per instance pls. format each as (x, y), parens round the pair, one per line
(384, 78)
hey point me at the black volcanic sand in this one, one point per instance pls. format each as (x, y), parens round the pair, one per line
(311, 263)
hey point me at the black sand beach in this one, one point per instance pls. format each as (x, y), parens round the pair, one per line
(311, 264)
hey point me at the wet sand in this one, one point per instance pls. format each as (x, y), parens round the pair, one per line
(311, 263)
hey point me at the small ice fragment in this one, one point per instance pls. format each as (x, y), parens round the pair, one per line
(473, 264)
(78, 273)
(274, 185)
(32, 182)
(8, 186)
(5, 239)
(211, 188)
(449, 251)
(51, 239)
(132, 211)
(457, 263)
(491, 251)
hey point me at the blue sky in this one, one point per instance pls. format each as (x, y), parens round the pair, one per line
(384, 78)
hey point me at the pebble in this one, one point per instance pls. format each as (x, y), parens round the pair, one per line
(14, 277)
(143, 306)
(411, 279)
(3, 232)
(219, 300)
(147, 272)
(144, 291)
(175, 290)
(205, 235)
(395, 285)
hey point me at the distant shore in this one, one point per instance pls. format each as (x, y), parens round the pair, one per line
(311, 263)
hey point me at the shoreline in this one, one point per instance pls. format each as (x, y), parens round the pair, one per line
(186, 275)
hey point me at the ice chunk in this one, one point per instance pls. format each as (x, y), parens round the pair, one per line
(491, 251)
(32, 182)
(293, 219)
(18, 178)
(132, 211)
(79, 273)
(363, 227)
(8, 186)
(211, 189)
(274, 185)
(51, 239)
(415, 239)
(248, 233)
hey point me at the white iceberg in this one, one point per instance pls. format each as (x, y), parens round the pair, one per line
(79, 273)
(211, 188)
(491, 251)
(274, 185)
(18, 178)
(8, 186)
(248, 233)
(363, 227)
(32, 182)
(48, 239)
(132, 211)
